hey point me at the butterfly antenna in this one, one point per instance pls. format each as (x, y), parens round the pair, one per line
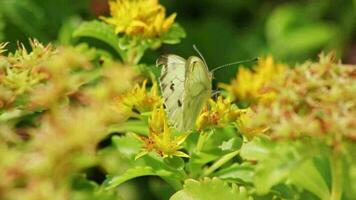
(215, 93)
(235, 63)
(200, 54)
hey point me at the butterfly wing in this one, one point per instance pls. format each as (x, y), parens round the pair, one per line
(197, 91)
(172, 86)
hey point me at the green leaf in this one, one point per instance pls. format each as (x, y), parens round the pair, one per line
(135, 126)
(197, 160)
(210, 189)
(231, 145)
(65, 33)
(275, 162)
(173, 35)
(308, 177)
(175, 162)
(100, 31)
(80, 182)
(127, 145)
(257, 149)
(239, 172)
(274, 170)
(152, 166)
(115, 181)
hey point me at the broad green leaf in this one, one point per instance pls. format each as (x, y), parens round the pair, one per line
(173, 35)
(307, 176)
(132, 173)
(275, 169)
(81, 183)
(175, 162)
(231, 145)
(127, 145)
(152, 166)
(275, 162)
(257, 149)
(197, 160)
(65, 33)
(210, 189)
(100, 31)
(135, 126)
(239, 172)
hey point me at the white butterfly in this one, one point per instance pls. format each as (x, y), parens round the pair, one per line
(186, 87)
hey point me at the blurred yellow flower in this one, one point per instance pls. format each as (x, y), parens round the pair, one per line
(138, 100)
(315, 101)
(22, 70)
(139, 17)
(252, 85)
(219, 113)
(3, 47)
(160, 138)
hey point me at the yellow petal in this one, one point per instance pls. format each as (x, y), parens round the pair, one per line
(181, 154)
(169, 21)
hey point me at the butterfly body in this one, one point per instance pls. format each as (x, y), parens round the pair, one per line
(186, 87)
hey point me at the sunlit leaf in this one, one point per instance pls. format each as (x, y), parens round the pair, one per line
(210, 189)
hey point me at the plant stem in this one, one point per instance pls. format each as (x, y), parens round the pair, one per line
(175, 183)
(221, 162)
(336, 175)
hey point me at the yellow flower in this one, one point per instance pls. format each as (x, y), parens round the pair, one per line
(160, 138)
(219, 113)
(21, 71)
(139, 17)
(316, 101)
(245, 127)
(138, 100)
(252, 85)
(3, 47)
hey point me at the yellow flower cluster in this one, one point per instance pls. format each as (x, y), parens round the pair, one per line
(22, 70)
(219, 113)
(138, 100)
(316, 100)
(252, 85)
(145, 18)
(160, 138)
(3, 47)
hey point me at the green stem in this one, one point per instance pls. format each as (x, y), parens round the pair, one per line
(336, 175)
(176, 184)
(134, 55)
(220, 162)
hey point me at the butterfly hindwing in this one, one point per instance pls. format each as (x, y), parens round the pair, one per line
(197, 90)
(172, 86)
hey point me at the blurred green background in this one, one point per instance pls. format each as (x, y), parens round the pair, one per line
(224, 31)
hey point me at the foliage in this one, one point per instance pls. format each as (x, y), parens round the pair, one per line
(86, 120)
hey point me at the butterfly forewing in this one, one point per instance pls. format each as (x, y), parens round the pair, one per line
(172, 86)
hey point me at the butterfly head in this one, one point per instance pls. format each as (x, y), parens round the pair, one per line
(196, 65)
